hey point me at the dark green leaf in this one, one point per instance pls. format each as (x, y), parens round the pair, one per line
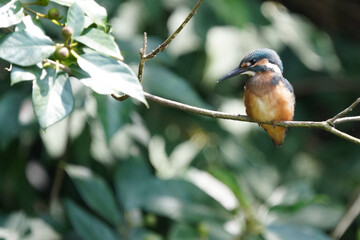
(109, 76)
(113, 114)
(26, 48)
(9, 110)
(52, 97)
(11, 13)
(180, 232)
(293, 232)
(131, 182)
(75, 19)
(19, 74)
(182, 201)
(86, 225)
(162, 82)
(95, 192)
(101, 42)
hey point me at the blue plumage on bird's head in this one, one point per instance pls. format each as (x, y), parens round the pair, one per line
(261, 60)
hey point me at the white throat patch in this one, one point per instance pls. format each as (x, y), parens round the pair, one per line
(274, 67)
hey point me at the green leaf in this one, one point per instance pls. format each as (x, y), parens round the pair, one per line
(26, 48)
(30, 24)
(75, 19)
(162, 82)
(95, 192)
(131, 182)
(109, 76)
(11, 13)
(10, 103)
(86, 225)
(52, 97)
(182, 201)
(19, 74)
(101, 42)
(113, 114)
(94, 11)
(181, 231)
(293, 232)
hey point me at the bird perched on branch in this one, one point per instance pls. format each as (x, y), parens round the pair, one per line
(269, 97)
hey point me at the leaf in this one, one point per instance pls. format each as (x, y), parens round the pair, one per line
(86, 225)
(11, 13)
(10, 103)
(19, 74)
(182, 201)
(181, 231)
(162, 82)
(95, 192)
(101, 42)
(52, 97)
(113, 114)
(75, 19)
(26, 48)
(293, 232)
(109, 76)
(30, 24)
(131, 182)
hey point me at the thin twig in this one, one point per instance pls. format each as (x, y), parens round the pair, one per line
(142, 53)
(345, 111)
(144, 57)
(164, 45)
(324, 125)
(347, 219)
(58, 65)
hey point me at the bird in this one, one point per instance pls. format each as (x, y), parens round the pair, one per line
(269, 97)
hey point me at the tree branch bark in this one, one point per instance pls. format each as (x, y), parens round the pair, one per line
(327, 125)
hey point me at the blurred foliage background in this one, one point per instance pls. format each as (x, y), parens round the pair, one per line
(158, 173)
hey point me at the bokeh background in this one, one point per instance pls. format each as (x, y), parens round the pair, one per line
(169, 171)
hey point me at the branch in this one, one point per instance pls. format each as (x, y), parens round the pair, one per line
(347, 219)
(327, 125)
(144, 57)
(164, 45)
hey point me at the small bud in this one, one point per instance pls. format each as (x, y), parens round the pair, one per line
(53, 13)
(61, 53)
(42, 2)
(67, 32)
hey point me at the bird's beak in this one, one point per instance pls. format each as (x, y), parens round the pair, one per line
(233, 73)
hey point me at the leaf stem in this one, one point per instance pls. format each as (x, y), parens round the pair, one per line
(34, 12)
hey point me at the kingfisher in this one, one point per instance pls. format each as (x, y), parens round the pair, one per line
(269, 97)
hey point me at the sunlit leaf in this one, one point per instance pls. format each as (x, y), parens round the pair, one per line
(86, 225)
(101, 42)
(75, 19)
(109, 76)
(52, 97)
(19, 74)
(11, 13)
(26, 48)
(30, 24)
(95, 192)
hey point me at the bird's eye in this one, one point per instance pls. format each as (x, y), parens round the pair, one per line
(252, 61)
